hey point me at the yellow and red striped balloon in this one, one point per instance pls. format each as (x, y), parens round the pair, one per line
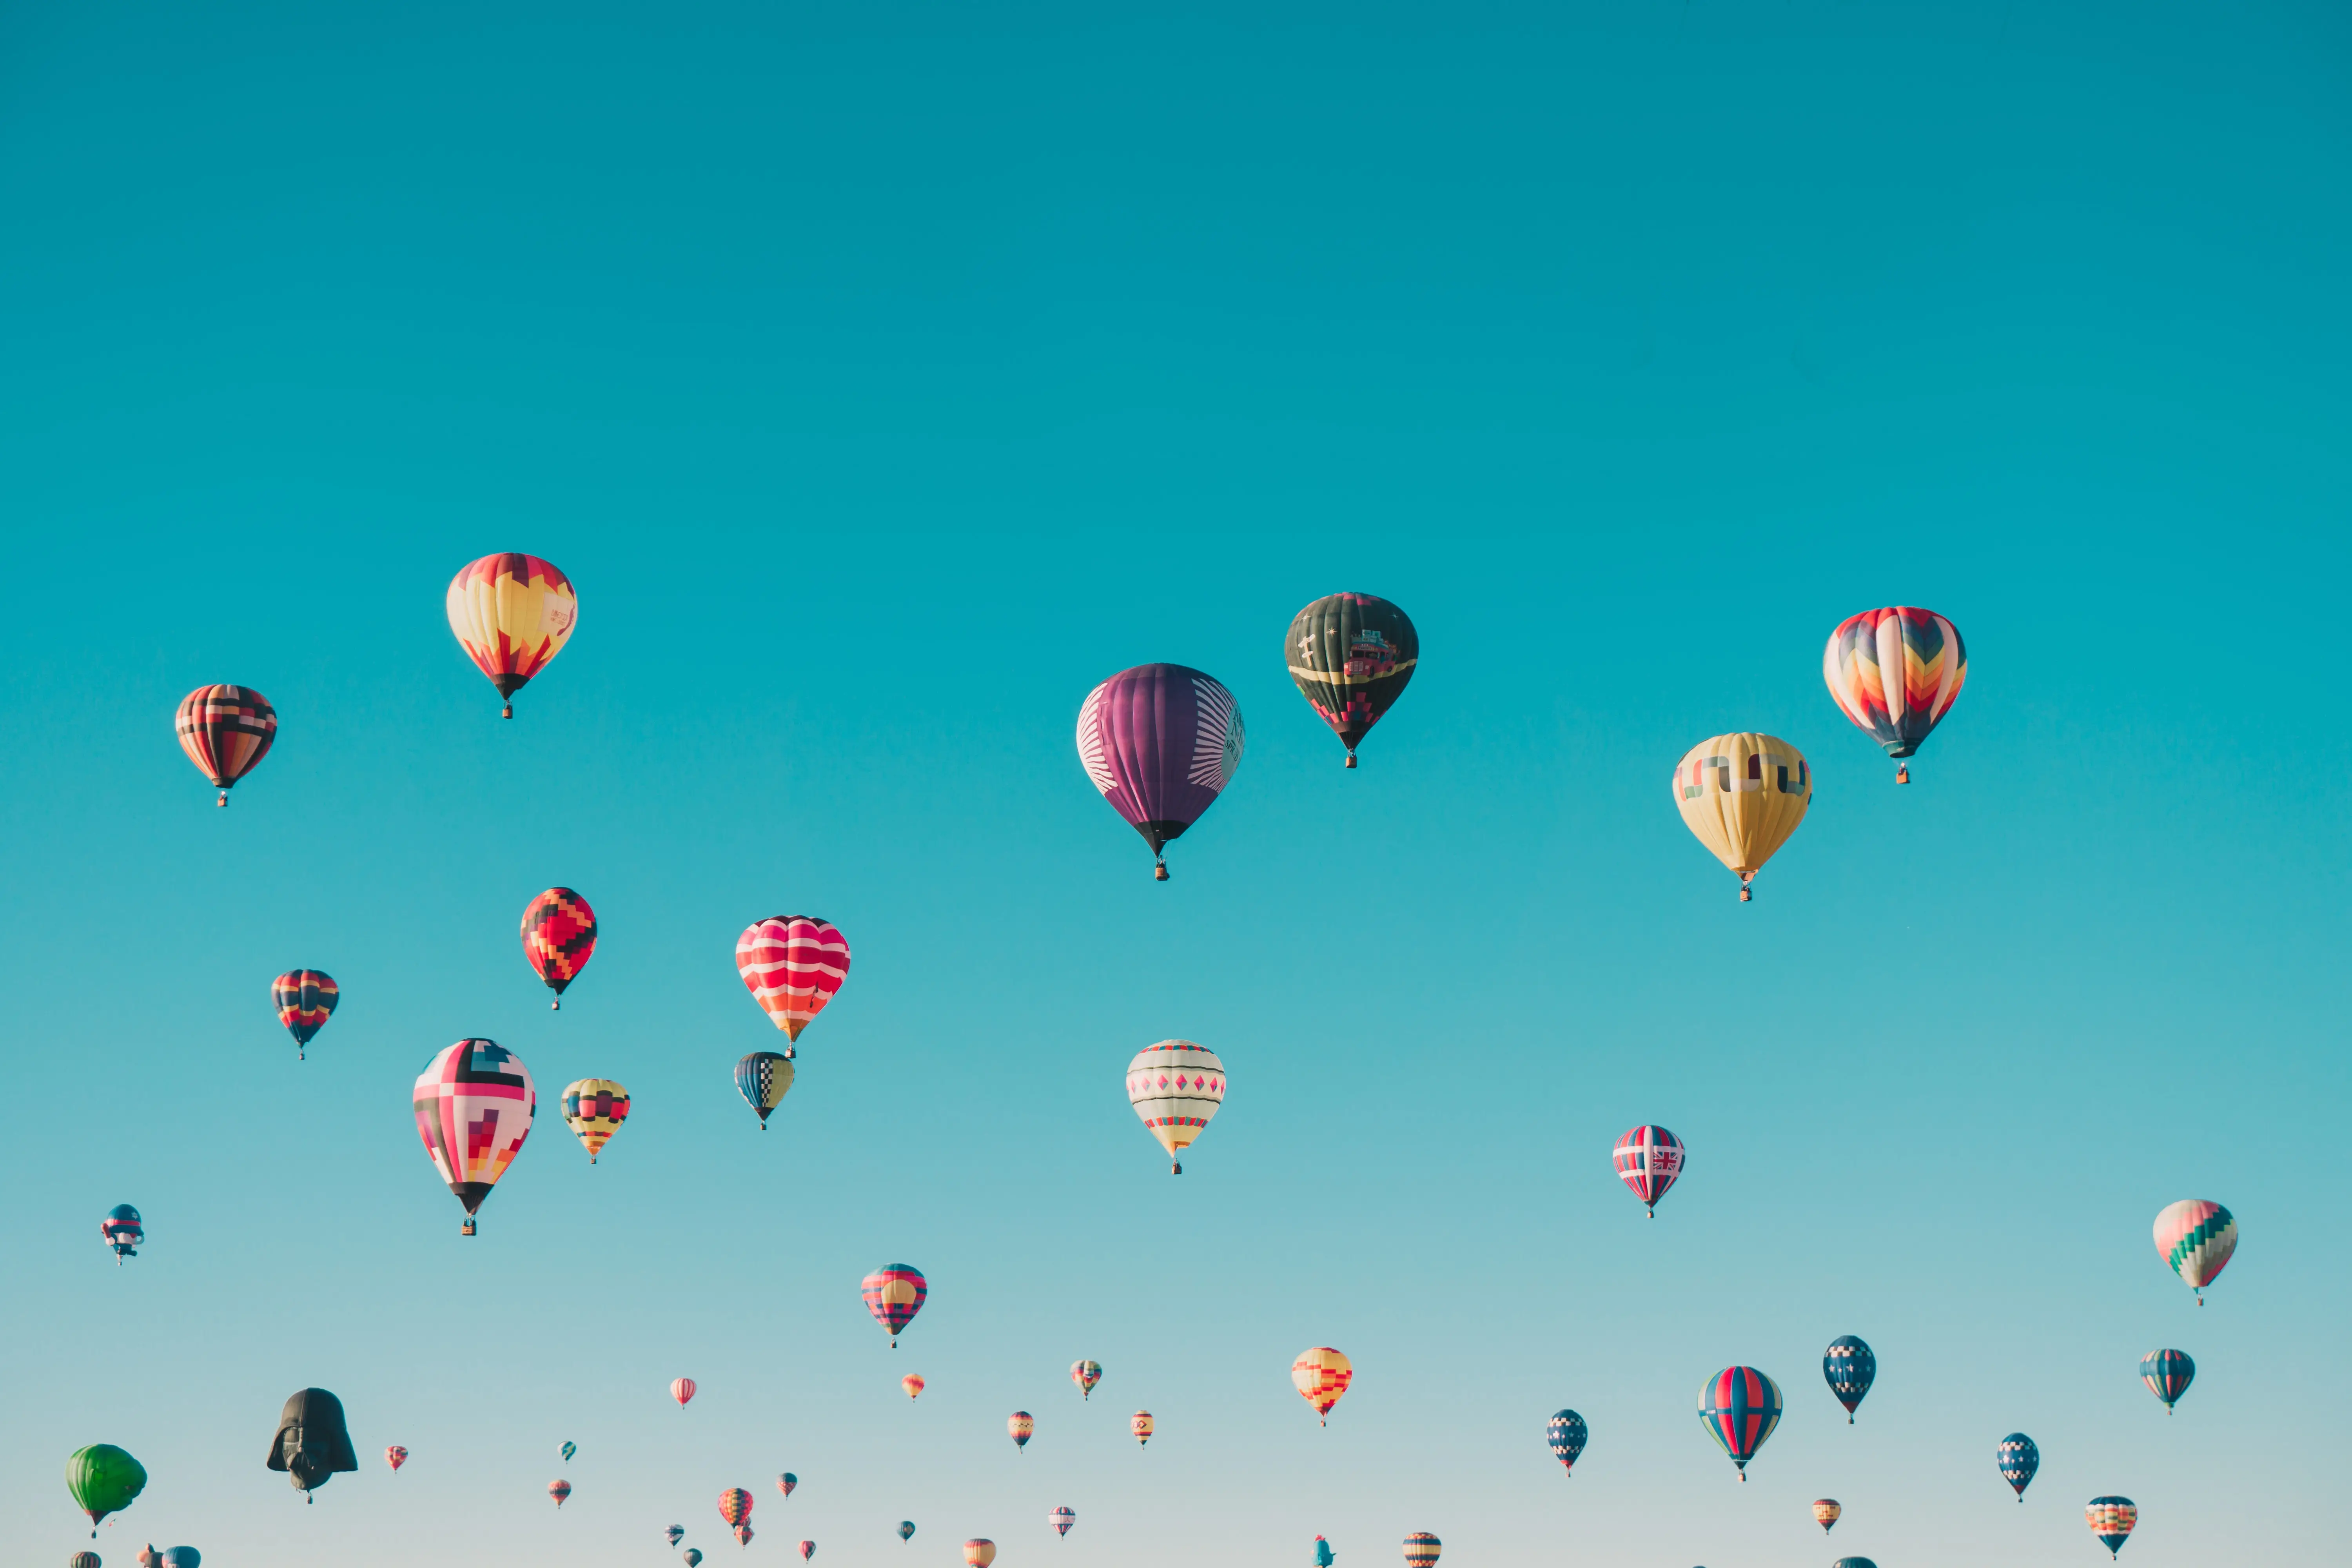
(1321, 1376)
(913, 1385)
(595, 1108)
(1895, 672)
(512, 614)
(1140, 1424)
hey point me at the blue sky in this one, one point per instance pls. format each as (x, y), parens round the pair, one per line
(885, 378)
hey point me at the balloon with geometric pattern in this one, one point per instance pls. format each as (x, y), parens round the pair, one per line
(2018, 1459)
(511, 614)
(225, 731)
(1849, 1369)
(2195, 1237)
(2168, 1374)
(1321, 1376)
(1160, 741)
(1421, 1550)
(1895, 673)
(1176, 1110)
(1085, 1375)
(1740, 1406)
(1565, 1432)
(894, 1293)
(559, 936)
(559, 1491)
(595, 1108)
(792, 966)
(1825, 1512)
(2112, 1520)
(1648, 1159)
(305, 999)
(1350, 656)
(395, 1456)
(123, 1231)
(1140, 1424)
(1022, 1425)
(743, 1534)
(763, 1078)
(786, 1482)
(1742, 794)
(735, 1505)
(474, 1105)
(1061, 1518)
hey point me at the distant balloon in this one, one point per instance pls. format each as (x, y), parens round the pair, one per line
(786, 1482)
(103, 1479)
(1022, 1425)
(512, 614)
(1853, 1562)
(1895, 673)
(978, 1553)
(1566, 1434)
(474, 1105)
(1742, 796)
(558, 937)
(1740, 1406)
(2018, 1458)
(1421, 1550)
(395, 1456)
(1351, 655)
(1061, 1518)
(122, 1231)
(1825, 1512)
(906, 1530)
(182, 1557)
(595, 1108)
(84, 1560)
(894, 1294)
(225, 731)
(1140, 1424)
(808, 1550)
(2168, 1374)
(792, 964)
(693, 1557)
(677, 1533)
(313, 1444)
(2195, 1237)
(1850, 1369)
(305, 1000)
(681, 1389)
(1161, 741)
(735, 1506)
(1176, 1087)
(1324, 1555)
(2111, 1519)
(1648, 1160)
(912, 1385)
(1085, 1375)
(743, 1534)
(1321, 1376)
(763, 1078)
(559, 1491)
(568, 1450)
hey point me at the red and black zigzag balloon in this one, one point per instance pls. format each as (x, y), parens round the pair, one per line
(559, 933)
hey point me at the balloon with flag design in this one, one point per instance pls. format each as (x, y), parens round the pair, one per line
(1648, 1159)
(1085, 1375)
(305, 1000)
(1321, 1376)
(1351, 655)
(1176, 1087)
(474, 1105)
(2195, 1237)
(1061, 1518)
(512, 614)
(786, 1482)
(559, 936)
(1565, 1432)
(2168, 1374)
(1161, 741)
(2018, 1459)
(1740, 1406)
(1895, 673)
(595, 1108)
(792, 966)
(1849, 1368)
(225, 731)
(894, 1293)
(2112, 1520)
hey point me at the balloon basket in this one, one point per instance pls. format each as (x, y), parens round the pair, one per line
(507, 711)
(1901, 772)
(223, 800)
(467, 1229)
(1158, 868)
(1351, 759)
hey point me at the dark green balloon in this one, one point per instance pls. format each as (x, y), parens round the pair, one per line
(103, 1479)
(1351, 654)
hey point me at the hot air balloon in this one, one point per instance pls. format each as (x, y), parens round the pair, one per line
(1421, 1550)
(511, 614)
(808, 1550)
(677, 1533)
(395, 1456)
(2168, 1374)
(1648, 1160)
(84, 1560)
(1161, 741)
(1825, 1512)
(1566, 1434)
(681, 1389)
(313, 1444)
(894, 1294)
(978, 1553)
(1351, 654)
(2110, 1520)
(1853, 1562)
(595, 1108)
(1140, 1424)
(103, 1479)
(1850, 1369)
(474, 1106)
(792, 964)
(763, 1078)
(1176, 1087)
(1021, 1427)
(2196, 1238)
(1321, 1376)
(912, 1385)
(1740, 1406)
(305, 999)
(123, 1232)
(558, 937)
(1085, 1375)
(225, 731)
(1742, 794)
(735, 1506)
(568, 1450)
(1895, 673)
(786, 1482)
(906, 1530)
(693, 1557)
(559, 1491)
(1061, 1518)
(743, 1535)
(1324, 1555)
(2018, 1458)
(181, 1557)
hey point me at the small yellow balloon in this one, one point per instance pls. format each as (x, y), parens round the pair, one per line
(1742, 794)
(912, 1385)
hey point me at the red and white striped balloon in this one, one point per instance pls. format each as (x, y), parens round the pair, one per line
(792, 964)
(682, 1390)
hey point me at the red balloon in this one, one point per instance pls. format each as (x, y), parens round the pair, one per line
(558, 933)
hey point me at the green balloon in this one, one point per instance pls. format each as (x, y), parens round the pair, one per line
(103, 1479)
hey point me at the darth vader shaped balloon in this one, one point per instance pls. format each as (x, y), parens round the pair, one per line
(312, 1442)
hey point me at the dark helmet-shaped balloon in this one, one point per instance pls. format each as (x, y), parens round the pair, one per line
(312, 1442)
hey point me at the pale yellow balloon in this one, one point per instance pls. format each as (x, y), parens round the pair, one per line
(1742, 794)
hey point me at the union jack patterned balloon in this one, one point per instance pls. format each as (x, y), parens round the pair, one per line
(1648, 1160)
(2196, 1238)
(894, 1294)
(1085, 1375)
(225, 731)
(474, 1106)
(1421, 1550)
(123, 1231)
(2168, 1374)
(1161, 741)
(2018, 1459)
(1176, 1087)
(395, 1456)
(2111, 1519)
(1061, 1518)
(1022, 1425)
(1895, 673)
(559, 935)
(305, 1000)
(1850, 1369)
(1566, 1434)
(1740, 1406)
(792, 966)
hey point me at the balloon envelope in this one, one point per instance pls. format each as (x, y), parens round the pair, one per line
(786, 1482)
(313, 1444)
(1061, 1518)
(558, 937)
(595, 1108)
(305, 1000)
(103, 1479)
(808, 1550)
(2168, 1374)
(559, 1491)
(912, 1385)
(1740, 1406)
(894, 1293)
(693, 1557)
(1140, 1424)
(763, 1078)
(734, 1505)
(2111, 1519)
(978, 1553)
(906, 1530)
(474, 1105)
(123, 1231)
(1085, 1375)
(569, 1449)
(1421, 1550)
(1565, 1432)
(511, 614)
(1742, 796)
(2018, 1459)
(2195, 1237)
(395, 1456)
(1825, 1512)
(792, 964)
(1648, 1160)
(182, 1557)
(225, 731)
(1022, 1425)
(1351, 655)
(681, 1389)
(1850, 1369)
(1161, 741)
(1321, 1376)
(1895, 673)
(677, 1533)
(1176, 1087)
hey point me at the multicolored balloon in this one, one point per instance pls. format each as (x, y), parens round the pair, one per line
(1742, 796)
(912, 1385)
(894, 1294)
(1085, 1375)
(225, 731)
(1421, 1550)
(1825, 1512)
(792, 964)
(763, 1078)
(559, 1491)
(1850, 1369)
(1648, 1160)
(1140, 1424)
(305, 1000)
(978, 1553)
(1022, 1425)
(2168, 1374)
(1740, 1406)
(84, 1560)
(512, 614)
(568, 1450)
(1351, 655)
(1161, 741)
(808, 1550)
(2018, 1459)
(677, 1533)
(734, 1505)
(2112, 1519)
(786, 1482)
(1061, 1518)
(743, 1534)
(2195, 1237)
(474, 1105)
(103, 1479)
(395, 1456)
(1321, 1376)
(1895, 673)
(906, 1530)
(1566, 1434)
(123, 1231)
(682, 1389)
(559, 936)
(595, 1108)
(1176, 1086)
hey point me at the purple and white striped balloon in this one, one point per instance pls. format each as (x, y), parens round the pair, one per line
(1160, 741)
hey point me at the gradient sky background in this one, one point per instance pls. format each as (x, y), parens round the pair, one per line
(885, 378)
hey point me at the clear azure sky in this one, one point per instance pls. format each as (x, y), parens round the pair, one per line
(885, 376)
